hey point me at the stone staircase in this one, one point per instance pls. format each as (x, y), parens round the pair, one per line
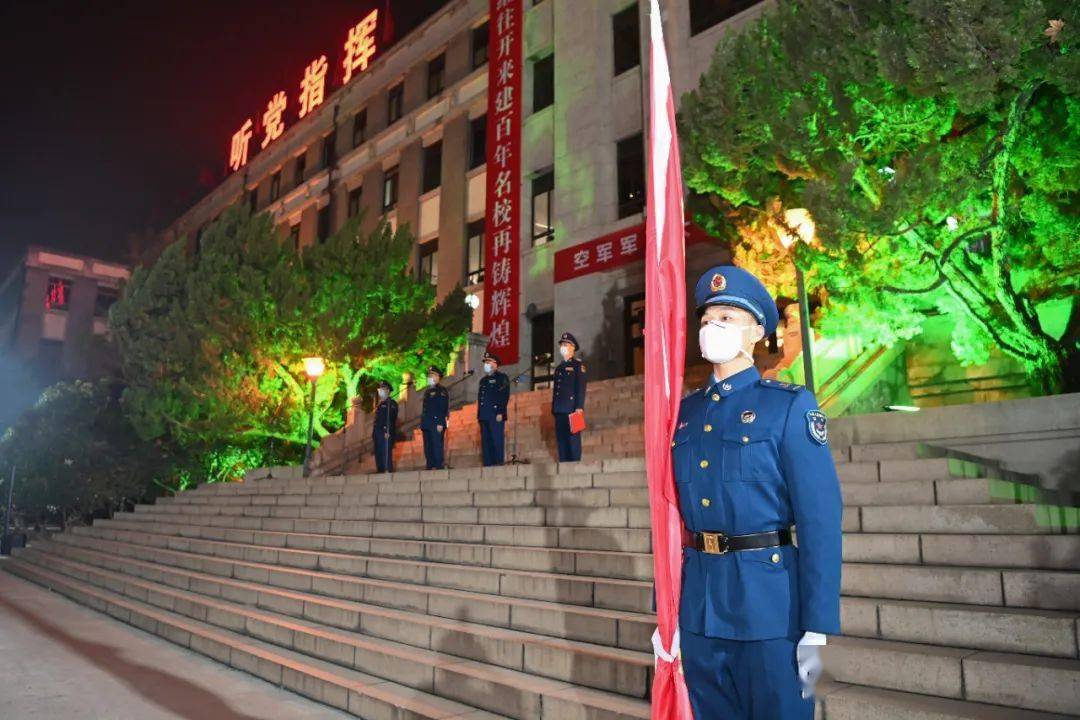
(525, 591)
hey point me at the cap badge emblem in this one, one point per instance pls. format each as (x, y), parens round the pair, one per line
(719, 282)
(748, 416)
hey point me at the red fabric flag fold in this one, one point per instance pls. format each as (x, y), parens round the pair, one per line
(665, 350)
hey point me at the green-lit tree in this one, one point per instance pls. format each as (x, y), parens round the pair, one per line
(212, 342)
(936, 144)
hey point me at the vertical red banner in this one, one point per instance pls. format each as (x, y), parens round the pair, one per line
(502, 223)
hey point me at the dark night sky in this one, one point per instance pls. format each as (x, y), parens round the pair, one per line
(116, 116)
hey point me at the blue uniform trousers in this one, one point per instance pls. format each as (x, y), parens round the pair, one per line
(492, 441)
(384, 453)
(743, 679)
(433, 449)
(569, 443)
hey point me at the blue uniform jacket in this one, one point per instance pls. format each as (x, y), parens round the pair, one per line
(749, 456)
(568, 392)
(435, 409)
(493, 396)
(385, 418)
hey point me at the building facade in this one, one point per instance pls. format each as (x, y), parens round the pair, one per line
(407, 139)
(53, 306)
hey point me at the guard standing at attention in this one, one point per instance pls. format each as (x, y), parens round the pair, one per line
(567, 397)
(433, 419)
(384, 429)
(751, 459)
(491, 401)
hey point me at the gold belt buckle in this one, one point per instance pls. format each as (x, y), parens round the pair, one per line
(715, 543)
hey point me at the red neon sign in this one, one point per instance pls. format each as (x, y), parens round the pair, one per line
(360, 47)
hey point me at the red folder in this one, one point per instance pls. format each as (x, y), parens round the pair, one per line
(577, 422)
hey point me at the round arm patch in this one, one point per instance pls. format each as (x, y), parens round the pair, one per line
(815, 423)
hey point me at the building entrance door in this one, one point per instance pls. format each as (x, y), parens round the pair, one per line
(633, 334)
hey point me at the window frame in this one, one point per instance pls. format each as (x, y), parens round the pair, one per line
(427, 171)
(626, 206)
(329, 148)
(706, 14)
(476, 123)
(299, 169)
(359, 128)
(619, 48)
(548, 98)
(275, 186)
(355, 198)
(323, 224)
(395, 103)
(474, 230)
(544, 178)
(481, 31)
(390, 180)
(436, 73)
(428, 254)
(67, 284)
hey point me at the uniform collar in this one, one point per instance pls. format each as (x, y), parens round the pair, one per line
(739, 380)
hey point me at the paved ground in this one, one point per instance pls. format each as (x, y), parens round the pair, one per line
(61, 660)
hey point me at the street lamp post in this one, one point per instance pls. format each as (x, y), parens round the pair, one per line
(314, 367)
(798, 225)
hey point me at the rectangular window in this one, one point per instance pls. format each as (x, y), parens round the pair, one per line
(105, 298)
(299, 168)
(275, 186)
(432, 167)
(436, 75)
(630, 167)
(625, 33)
(294, 236)
(543, 190)
(324, 224)
(479, 46)
(329, 149)
(253, 199)
(359, 128)
(706, 13)
(477, 141)
(543, 341)
(428, 267)
(543, 82)
(394, 104)
(355, 196)
(58, 294)
(390, 189)
(474, 260)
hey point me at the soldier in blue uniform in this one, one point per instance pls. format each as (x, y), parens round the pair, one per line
(433, 419)
(491, 401)
(751, 459)
(567, 397)
(384, 429)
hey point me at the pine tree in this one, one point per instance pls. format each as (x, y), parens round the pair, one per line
(936, 144)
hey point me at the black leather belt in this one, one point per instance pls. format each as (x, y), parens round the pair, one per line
(721, 544)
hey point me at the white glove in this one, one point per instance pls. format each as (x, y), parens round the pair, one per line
(808, 655)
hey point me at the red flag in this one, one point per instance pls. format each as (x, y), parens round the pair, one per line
(665, 350)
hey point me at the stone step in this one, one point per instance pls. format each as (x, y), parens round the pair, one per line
(1024, 681)
(610, 593)
(839, 701)
(421, 605)
(402, 646)
(873, 452)
(1039, 632)
(1019, 588)
(1049, 552)
(360, 694)
(969, 519)
(580, 538)
(925, 468)
(628, 566)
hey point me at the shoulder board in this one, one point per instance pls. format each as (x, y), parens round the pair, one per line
(780, 385)
(692, 393)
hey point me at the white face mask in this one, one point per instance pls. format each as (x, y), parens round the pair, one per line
(383, 393)
(721, 342)
(431, 380)
(565, 352)
(489, 368)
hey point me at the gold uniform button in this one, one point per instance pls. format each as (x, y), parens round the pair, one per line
(672, 443)
(705, 502)
(715, 396)
(708, 428)
(704, 463)
(745, 439)
(775, 557)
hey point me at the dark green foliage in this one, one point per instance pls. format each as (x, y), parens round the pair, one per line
(936, 144)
